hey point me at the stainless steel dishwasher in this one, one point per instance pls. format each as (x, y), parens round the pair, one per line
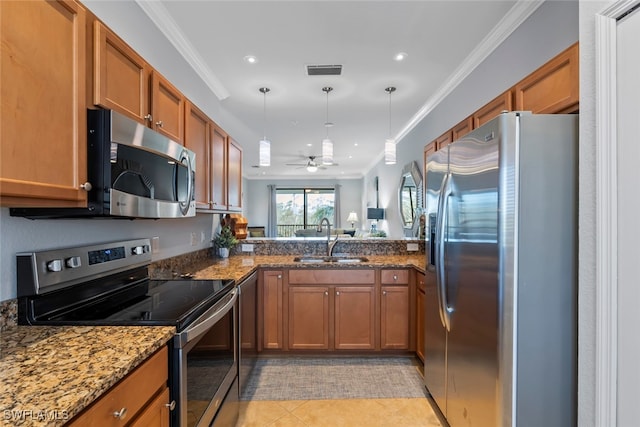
(248, 328)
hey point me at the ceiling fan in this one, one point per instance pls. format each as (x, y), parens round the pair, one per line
(311, 165)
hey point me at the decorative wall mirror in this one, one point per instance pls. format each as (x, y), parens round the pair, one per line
(410, 198)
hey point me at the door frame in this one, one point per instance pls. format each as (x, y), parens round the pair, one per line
(606, 351)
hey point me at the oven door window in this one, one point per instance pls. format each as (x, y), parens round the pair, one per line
(209, 364)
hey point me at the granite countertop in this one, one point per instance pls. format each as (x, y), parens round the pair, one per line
(239, 267)
(48, 374)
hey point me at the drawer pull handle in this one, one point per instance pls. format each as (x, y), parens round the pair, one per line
(120, 414)
(395, 277)
(171, 405)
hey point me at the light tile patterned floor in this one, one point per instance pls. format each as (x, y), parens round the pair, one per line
(407, 412)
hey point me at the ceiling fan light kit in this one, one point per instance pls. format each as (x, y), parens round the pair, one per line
(327, 144)
(390, 143)
(265, 144)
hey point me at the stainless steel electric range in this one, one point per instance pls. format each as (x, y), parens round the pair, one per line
(109, 284)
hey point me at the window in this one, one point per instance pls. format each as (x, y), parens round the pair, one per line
(300, 208)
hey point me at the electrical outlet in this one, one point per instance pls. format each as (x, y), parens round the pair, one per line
(247, 248)
(155, 245)
(194, 239)
(202, 237)
(412, 247)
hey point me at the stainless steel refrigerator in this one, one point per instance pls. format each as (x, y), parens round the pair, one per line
(501, 307)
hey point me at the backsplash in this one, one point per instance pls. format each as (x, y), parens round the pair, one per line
(348, 246)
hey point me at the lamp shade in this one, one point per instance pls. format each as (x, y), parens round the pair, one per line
(390, 152)
(375, 213)
(353, 217)
(327, 151)
(265, 152)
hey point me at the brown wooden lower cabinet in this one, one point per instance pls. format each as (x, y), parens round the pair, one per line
(328, 309)
(394, 318)
(142, 397)
(272, 315)
(354, 317)
(420, 306)
(309, 317)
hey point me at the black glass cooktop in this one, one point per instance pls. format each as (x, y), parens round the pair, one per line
(150, 302)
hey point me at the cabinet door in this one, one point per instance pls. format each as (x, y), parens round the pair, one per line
(492, 109)
(443, 140)
(308, 317)
(462, 128)
(120, 76)
(156, 413)
(420, 307)
(43, 107)
(197, 139)
(272, 310)
(552, 88)
(218, 168)
(167, 108)
(394, 317)
(234, 176)
(354, 317)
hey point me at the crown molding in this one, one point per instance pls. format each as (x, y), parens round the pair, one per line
(160, 16)
(507, 25)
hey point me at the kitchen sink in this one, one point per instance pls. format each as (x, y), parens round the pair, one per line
(325, 259)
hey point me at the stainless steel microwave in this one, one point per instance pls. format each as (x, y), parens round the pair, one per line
(134, 172)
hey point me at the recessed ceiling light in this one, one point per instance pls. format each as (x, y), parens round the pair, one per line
(351, 157)
(355, 144)
(400, 56)
(250, 59)
(309, 145)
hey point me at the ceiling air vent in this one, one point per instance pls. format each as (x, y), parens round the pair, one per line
(324, 70)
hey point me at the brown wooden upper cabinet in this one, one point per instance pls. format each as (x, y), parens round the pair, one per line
(234, 176)
(552, 88)
(198, 140)
(125, 82)
(43, 92)
(503, 102)
(461, 129)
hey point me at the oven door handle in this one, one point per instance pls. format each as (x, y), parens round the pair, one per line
(208, 319)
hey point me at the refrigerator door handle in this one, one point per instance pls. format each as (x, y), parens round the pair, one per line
(441, 223)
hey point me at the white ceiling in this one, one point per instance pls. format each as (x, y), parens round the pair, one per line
(443, 40)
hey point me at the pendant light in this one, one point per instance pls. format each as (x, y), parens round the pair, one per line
(265, 144)
(390, 143)
(327, 144)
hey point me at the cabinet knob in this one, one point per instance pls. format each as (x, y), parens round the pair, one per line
(86, 186)
(148, 117)
(120, 414)
(395, 277)
(384, 292)
(279, 276)
(326, 292)
(171, 405)
(337, 292)
(159, 123)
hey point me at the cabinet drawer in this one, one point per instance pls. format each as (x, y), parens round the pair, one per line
(394, 277)
(330, 276)
(131, 394)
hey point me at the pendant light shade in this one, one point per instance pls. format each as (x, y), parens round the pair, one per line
(327, 144)
(390, 143)
(265, 144)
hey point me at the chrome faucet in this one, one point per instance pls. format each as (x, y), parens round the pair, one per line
(330, 244)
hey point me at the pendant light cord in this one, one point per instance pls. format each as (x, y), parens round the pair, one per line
(390, 90)
(264, 91)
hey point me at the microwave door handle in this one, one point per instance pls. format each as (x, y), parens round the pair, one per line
(184, 206)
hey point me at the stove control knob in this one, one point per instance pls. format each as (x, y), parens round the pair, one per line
(73, 262)
(55, 265)
(137, 250)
